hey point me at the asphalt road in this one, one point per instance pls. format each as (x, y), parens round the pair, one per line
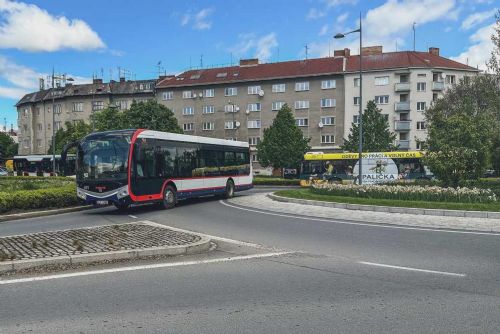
(341, 279)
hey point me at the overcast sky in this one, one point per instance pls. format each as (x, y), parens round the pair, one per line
(95, 37)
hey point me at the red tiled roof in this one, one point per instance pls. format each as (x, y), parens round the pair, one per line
(310, 67)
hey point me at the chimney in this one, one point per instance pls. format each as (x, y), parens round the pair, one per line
(249, 62)
(434, 51)
(342, 53)
(97, 81)
(371, 50)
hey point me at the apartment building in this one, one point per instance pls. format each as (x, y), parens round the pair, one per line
(71, 103)
(239, 102)
(403, 85)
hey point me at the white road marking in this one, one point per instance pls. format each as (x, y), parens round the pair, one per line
(143, 267)
(411, 269)
(377, 225)
(132, 216)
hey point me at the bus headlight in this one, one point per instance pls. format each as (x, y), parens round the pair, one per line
(123, 192)
(81, 194)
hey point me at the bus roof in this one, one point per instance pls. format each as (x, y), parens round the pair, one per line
(354, 156)
(191, 139)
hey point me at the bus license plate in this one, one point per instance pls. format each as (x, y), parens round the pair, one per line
(102, 202)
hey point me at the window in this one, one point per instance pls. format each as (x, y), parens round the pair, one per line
(209, 92)
(421, 86)
(208, 126)
(355, 119)
(39, 143)
(253, 107)
(434, 97)
(230, 125)
(230, 108)
(122, 105)
(279, 88)
(301, 86)
(328, 84)
(253, 90)
(421, 75)
(382, 99)
(232, 138)
(419, 145)
(381, 81)
(328, 120)
(252, 141)
(301, 104)
(187, 94)
(450, 79)
(328, 103)
(188, 126)
(231, 91)
(327, 139)
(188, 111)
(277, 105)
(302, 121)
(168, 95)
(48, 126)
(37, 111)
(57, 125)
(195, 76)
(254, 124)
(57, 108)
(420, 106)
(98, 105)
(255, 158)
(221, 75)
(356, 100)
(356, 82)
(208, 109)
(420, 125)
(77, 106)
(39, 126)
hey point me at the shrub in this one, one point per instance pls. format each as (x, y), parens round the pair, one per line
(270, 181)
(409, 193)
(54, 197)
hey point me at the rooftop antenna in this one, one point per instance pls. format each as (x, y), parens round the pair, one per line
(396, 45)
(158, 67)
(307, 49)
(278, 54)
(201, 61)
(231, 59)
(110, 74)
(414, 23)
(5, 124)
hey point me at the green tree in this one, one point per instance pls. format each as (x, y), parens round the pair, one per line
(460, 129)
(494, 69)
(8, 148)
(110, 118)
(283, 144)
(376, 134)
(70, 133)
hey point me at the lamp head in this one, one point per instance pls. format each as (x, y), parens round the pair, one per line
(338, 36)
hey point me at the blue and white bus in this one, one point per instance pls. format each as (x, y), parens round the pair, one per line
(124, 167)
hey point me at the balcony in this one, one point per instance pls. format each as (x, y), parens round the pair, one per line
(403, 144)
(402, 125)
(437, 85)
(402, 87)
(402, 106)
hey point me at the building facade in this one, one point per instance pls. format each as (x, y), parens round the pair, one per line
(46, 111)
(239, 102)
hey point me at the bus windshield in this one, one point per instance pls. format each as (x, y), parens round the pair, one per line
(104, 157)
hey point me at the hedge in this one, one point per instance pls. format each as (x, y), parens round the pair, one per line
(268, 181)
(37, 199)
(16, 183)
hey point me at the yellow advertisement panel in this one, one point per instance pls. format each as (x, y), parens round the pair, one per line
(369, 155)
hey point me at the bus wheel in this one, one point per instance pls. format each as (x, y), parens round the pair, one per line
(229, 189)
(169, 198)
(122, 207)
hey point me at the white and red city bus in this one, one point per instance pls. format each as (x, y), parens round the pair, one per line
(124, 167)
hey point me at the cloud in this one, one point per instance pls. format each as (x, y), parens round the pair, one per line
(315, 14)
(199, 20)
(324, 30)
(477, 18)
(44, 32)
(22, 79)
(262, 47)
(334, 3)
(341, 18)
(480, 51)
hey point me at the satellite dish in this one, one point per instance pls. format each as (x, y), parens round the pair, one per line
(247, 111)
(237, 108)
(200, 95)
(194, 95)
(320, 125)
(238, 124)
(261, 93)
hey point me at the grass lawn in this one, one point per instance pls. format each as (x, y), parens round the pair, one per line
(305, 193)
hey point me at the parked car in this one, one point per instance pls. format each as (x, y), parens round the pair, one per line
(3, 172)
(489, 173)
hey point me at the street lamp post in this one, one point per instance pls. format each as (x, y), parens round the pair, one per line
(360, 121)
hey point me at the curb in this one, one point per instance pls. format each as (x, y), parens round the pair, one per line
(389, 209)
(35, 214)
(197, 247)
